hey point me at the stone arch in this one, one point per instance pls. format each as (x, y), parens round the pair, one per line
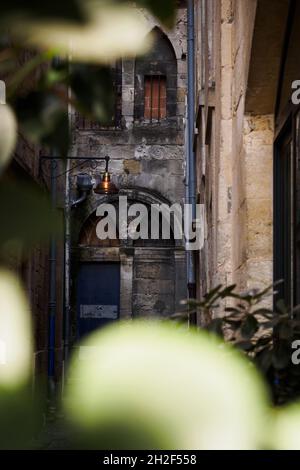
(86, 214)
(152, 24)
(149, 273)
(159, 61)
(88, 235)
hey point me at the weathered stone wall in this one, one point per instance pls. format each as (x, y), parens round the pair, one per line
(149, 155)
(234, 153)
(252, 155)
(256, 266)
(153, 285)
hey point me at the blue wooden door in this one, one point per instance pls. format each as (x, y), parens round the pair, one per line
(98, 296)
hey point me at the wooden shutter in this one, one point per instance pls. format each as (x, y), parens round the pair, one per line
(155, 97)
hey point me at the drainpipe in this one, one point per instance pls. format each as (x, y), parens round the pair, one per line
(81, 199)
(52, 286)
(67, 241)
(66, 322)
(84, 186)
(191, 167)
(69, 205)
(52, 294)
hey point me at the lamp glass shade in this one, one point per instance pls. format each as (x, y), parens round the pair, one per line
(106, 186)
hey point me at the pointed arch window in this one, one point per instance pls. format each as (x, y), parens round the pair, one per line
(156, 81)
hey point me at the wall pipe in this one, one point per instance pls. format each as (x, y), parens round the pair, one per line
(66, 319)
(69, 205)
(67, 251)
(191, 167)
(52, 286)
(52, 294)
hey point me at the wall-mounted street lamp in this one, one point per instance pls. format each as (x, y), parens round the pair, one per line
(84, 180)
(106, 186)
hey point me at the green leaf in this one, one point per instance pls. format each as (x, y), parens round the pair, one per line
(113, 29)
(71, 10)
(232, 310)
(265, 340)
(245, 345)
(27, 217)
(93, 88)
(8, 134)
(281, 354)
(44, 120)
(21, 73)
(264, 312)
(227, 292)
(269, 324)
(54, 75)
(35, 9)
(212, 293)
(216, 326)
(284, 330)
(281, 307)
(257, 294)
(241, 307)
(249, 327)
(264, 360)
(234, 324)
(164, 10)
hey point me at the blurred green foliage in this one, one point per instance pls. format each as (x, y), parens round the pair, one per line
(20, 417)
(149, 385)
(68, 9)
(41, 104)
(164, 11)
(19, 206)
(39, 92)
(153, 386)
(265, 334)
(72, 10)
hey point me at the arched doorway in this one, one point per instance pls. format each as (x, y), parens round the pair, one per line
(98, 280)
(125, 278)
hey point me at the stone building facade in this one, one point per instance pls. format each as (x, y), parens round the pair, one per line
(147, 151)
(146, 145)
(246, 143)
